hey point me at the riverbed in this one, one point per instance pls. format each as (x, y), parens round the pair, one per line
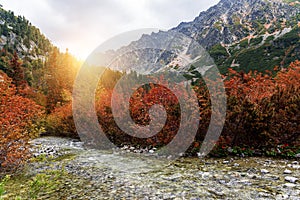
(121, 174)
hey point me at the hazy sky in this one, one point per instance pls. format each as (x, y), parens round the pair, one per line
(82, 25)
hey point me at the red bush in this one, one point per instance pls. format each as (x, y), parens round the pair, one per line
(17, 118)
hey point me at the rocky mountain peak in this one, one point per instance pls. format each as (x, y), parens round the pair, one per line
(232, 20)
(227, 24)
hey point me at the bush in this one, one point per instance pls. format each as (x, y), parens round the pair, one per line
(263, 112)
(19, 119)
(60, 122)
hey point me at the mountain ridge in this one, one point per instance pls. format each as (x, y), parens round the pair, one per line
(232, 31)
(231, 27)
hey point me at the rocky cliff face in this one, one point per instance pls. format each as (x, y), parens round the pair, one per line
(17, 34)
(228, 29)
(232, 20)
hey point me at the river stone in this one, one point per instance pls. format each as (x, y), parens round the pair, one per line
(251, 176)
(236, 165)
(296, 166)
(206, 175)
(291, 179)
(289, 185)
(264, 171)
(287, 171)
(217, 176)
(151, 151)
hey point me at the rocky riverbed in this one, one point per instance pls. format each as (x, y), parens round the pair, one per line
(94, 174)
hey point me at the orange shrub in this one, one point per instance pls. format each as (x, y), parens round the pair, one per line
(17, 121)
(263, 111)
(60, 122)
(140, 103)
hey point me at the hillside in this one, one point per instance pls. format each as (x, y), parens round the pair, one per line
(248, 34)
(18, 35)
(243, 34)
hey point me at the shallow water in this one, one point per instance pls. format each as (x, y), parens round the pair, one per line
(118, 174)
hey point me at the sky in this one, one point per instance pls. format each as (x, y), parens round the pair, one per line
(82, 25)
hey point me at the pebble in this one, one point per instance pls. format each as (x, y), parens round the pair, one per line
(264, 171)
(282, 196)
(235, 174)
(291, 179)
(217, 176)
(296, 166)
(287, 171)
(252, 176)
(289, 185)
(206, 175)
(236, 165)
(243, 174)
(151, 151)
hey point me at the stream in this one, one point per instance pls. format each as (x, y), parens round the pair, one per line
(120, 174)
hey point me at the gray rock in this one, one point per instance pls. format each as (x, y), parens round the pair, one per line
(206, 175)
(296, 166)
(287, 171)
(264, 171)
(151, 151)
(291, 179)
(252, 176)
(289, 185)
(214, 26)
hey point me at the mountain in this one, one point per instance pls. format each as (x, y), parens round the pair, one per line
(244, 34)
(18, 35)
(231, 21)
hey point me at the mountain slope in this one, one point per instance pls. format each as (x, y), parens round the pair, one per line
(232, 20)
(17, 35)
(246, 34)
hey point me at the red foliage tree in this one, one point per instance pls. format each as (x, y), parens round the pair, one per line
(17, 73)
(17, 118)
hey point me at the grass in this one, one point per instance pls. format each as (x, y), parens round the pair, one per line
(46, 184)
(44, 158)
(49, 184)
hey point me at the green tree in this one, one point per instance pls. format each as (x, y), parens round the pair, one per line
(54, 81)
